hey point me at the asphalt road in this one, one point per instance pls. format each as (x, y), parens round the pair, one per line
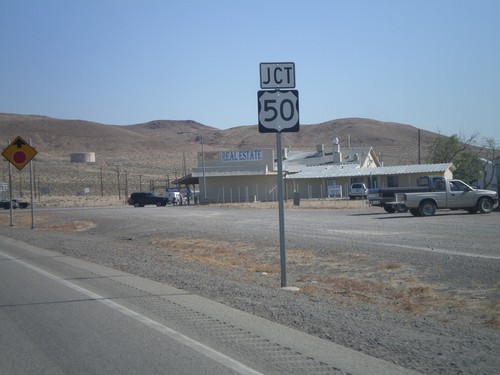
(52, 326)
(452, 248)
(61, 315)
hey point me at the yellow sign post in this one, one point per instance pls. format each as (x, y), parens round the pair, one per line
(19, 153)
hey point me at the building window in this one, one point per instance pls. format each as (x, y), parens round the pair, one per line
(392, 181)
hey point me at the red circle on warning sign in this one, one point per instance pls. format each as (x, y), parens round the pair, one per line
(19, 157)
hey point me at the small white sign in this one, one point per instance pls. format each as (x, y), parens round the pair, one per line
(279, 75)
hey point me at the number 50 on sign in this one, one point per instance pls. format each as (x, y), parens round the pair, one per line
(278, 111)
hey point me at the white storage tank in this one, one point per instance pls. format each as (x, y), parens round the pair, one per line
(83, 157)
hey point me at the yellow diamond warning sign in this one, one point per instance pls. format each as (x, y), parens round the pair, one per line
(19, 153)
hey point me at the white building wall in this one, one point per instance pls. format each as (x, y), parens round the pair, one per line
(240, 189)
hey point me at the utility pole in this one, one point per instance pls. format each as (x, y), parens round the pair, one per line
(199, 137)
(418, 146)
(184, 163)
(118, 177)
(126, 184)
(102, 186)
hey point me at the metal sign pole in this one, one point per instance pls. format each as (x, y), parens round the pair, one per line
(281, 209)
(10, 195)
(278, 112)
(32, 200)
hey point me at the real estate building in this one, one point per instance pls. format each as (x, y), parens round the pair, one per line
(326, 172)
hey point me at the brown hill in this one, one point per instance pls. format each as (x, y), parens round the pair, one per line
(163, 150)
(56, 138)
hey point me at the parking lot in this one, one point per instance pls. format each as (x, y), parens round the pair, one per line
(452, 247)
(368, 280)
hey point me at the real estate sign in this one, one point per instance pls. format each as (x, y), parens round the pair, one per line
(250, 155)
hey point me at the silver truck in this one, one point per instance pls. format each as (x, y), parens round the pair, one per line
(450, 194)
(386, 197)
(358, 190)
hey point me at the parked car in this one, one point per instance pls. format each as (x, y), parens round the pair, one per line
(141, 199)
(174, 197)
(16, 203)
(358, 190)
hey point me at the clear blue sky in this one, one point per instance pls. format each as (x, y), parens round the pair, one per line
(434, 64)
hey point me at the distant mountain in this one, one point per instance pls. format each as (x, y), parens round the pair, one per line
(55, 139)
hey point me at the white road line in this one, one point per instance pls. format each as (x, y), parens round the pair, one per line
(443, 251)
(419, 248)
(218, 357)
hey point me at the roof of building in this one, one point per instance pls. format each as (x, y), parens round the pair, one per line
(186, 180)
(355, 155)
(350, 170)
(230, 171)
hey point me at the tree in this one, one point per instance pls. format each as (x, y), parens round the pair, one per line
(460, 151)
(468, 167)
(488, 163)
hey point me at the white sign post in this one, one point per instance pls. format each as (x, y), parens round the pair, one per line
(277, 75)
(279, 113)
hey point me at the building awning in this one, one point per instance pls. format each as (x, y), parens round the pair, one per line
(187, 180)
(230, 171)
(337, 171)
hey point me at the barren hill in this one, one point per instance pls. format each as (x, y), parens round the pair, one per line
(56, 138)
(165, 149)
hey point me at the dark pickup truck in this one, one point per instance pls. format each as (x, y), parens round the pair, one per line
(16, 203)
(385, 197)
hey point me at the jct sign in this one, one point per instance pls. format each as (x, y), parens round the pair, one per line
(277, 75)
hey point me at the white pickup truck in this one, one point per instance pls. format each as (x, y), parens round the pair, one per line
(358, 190)
(451, 194)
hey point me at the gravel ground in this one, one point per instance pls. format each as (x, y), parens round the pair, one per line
(426, 342)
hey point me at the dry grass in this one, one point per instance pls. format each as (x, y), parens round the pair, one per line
(222, 254)
(340, 276)
(45, 222)
(344, 277)
(388, 266)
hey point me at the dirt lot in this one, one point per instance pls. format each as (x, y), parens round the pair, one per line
(422, 292)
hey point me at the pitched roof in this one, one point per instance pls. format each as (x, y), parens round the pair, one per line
(349, 170)
(354, 155)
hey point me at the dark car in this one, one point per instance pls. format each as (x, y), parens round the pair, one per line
(16, 203)
(142, 199)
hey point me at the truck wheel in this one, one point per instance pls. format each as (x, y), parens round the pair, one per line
(485, 205)
(401, 208)
(427, 208)
(414, 211)
(389, 209)
(136, 204)
(158, 204)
